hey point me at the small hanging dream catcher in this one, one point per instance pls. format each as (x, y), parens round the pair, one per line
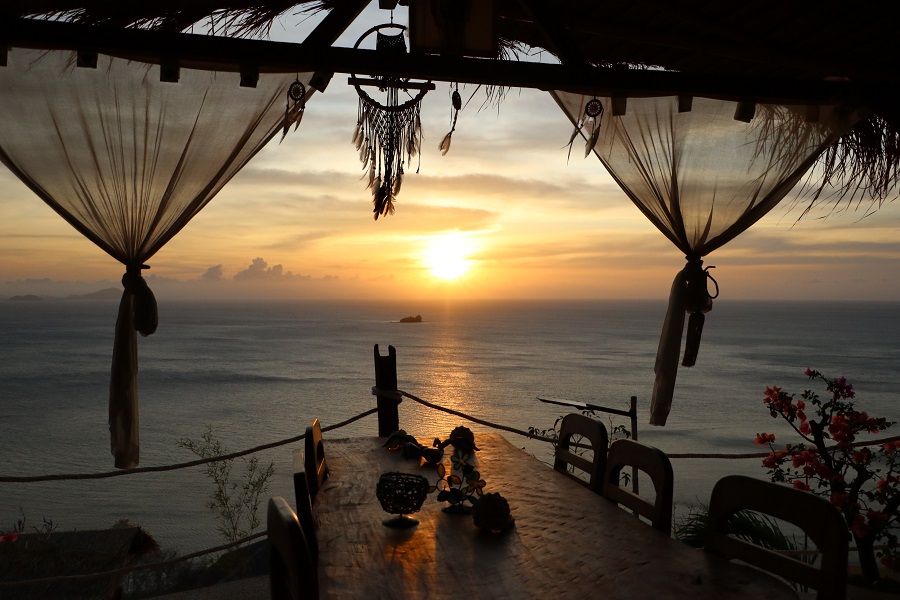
(296, 104)
(388, 133)
(589, 123)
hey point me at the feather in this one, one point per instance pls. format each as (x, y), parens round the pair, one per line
(371, 176)
(445, 144)
(592, 141)
(398, 181)
(355, 139)
(378, 199)
(578, 127)
(298, 118)
(364, 154)
(376, 184)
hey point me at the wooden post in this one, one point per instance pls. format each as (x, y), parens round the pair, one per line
(634, 436)
(386, 379)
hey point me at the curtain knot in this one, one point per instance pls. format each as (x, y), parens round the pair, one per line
(697, 300)
(146, 317)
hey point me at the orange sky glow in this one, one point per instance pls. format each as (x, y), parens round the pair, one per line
(505, 214)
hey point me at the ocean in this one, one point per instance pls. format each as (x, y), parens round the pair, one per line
(258, 372)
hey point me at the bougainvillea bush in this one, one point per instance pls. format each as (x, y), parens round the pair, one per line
(861, 481)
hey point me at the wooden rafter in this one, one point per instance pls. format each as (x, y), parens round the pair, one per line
(335, 23)
(229, 54)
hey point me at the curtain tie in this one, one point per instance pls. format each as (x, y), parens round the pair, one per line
(146, 317)
(697, 302)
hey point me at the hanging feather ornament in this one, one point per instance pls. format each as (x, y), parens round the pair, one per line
(593, 114)
(388, 135)
(296, 105)
(456, 102)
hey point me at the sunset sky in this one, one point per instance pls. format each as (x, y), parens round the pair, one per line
(505, 212)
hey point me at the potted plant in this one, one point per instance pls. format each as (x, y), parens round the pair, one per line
(861, 481)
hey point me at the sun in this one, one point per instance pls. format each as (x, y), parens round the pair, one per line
(447, 255)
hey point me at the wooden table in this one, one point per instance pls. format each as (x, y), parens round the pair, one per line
(567, 541)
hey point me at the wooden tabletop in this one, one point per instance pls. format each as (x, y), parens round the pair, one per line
(567, 541)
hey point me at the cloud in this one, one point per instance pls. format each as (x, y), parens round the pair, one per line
(259, 270)
(213, 274)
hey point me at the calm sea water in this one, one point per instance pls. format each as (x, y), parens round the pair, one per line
(259, 372)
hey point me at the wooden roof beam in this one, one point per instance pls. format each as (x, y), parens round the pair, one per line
(229, 54)
(335, 23)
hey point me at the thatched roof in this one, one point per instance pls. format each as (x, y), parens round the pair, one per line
(714, 47)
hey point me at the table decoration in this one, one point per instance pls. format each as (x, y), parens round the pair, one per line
(491, 513)
(401, 494)
(464, 483)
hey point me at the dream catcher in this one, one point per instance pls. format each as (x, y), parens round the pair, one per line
(388, 134)
(296, 104)
(589, 124)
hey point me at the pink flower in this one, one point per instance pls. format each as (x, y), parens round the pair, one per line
(891, 447)
(774, 459)
(839, 499)
(804, 428)
(10, 536)
(877, 518)
(809, 372)
(799, 484)
(764, 439)
(859, 527)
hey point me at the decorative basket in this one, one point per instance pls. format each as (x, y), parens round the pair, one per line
(401, 494)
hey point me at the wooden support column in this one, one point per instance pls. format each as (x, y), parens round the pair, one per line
(386, 380)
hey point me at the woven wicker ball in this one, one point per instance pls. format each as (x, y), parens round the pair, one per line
(401, 493)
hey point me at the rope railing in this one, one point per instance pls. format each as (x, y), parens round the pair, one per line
(176, 466)
(403, 394)
(126, 570)
(400, 393)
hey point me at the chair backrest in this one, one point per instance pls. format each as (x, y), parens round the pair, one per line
(589, 430)
(305, 514)
(815, 516)
(314, 459)
(653, 462)
(292, 573)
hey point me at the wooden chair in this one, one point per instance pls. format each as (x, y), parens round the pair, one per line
(304, 513)
(653, 462)
(314, 459)
(592, 431)
(292, 573)
(815, 516)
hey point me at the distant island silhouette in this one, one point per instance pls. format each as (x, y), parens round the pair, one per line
(104, 294)
(25, 298)
(415, 319)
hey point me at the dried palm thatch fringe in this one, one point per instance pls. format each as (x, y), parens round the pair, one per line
(861, 168)
(238, 18)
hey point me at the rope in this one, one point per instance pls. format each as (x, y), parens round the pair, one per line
(173, 467)
(398, 393)
(126, 570)
(765, 454)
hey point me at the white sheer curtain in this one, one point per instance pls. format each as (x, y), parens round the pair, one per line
(128, 160)
(702, 177)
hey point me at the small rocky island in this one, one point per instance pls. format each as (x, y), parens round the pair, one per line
(415, 319)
